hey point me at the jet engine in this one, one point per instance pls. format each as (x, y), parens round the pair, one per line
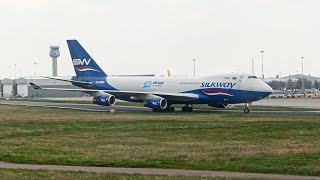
(105, 100)
(156, 103)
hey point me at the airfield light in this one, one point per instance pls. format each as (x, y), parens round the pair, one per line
(262, 63)
(35, 69)
(252, 66)
(302, 81)
(194, 67)
(15, 70)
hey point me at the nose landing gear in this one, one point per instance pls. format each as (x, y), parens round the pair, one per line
(246, 109)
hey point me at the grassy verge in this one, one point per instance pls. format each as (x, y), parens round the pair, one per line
(198, 106)
(231, 142)
(42, 174)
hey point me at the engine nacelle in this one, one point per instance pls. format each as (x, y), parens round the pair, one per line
(219, 105)
(156, 103)
(105, 100)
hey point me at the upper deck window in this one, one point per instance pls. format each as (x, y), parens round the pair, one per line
(252, 77)
(227, 78)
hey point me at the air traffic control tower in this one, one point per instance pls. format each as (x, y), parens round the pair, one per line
(54, 53)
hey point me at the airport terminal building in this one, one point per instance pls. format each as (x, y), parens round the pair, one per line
(21, 88)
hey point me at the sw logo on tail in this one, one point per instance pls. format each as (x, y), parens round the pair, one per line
(78, 62)
(79, 65)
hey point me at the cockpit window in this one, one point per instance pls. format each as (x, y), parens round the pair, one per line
(234, 78)
(252, 77)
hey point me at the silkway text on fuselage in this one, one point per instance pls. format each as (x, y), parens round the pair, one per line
(229, 85)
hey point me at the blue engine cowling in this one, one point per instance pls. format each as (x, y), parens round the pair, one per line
(105, 100)
(156, 103)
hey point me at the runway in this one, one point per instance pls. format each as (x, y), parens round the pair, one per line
(294, 103)
(86, 107)
(97, 108)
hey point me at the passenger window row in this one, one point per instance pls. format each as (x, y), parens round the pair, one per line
(254, 77)
(234, 78)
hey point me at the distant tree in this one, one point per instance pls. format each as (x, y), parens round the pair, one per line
(298, 84)
(316, 84)
(308, 84)
(273, 85)
(277, 85)
(290, 84)
(282, 84)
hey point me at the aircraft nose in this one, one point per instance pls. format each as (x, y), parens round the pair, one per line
(267, 88)
(263, 89)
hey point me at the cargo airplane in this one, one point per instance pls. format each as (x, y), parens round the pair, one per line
(160, 93)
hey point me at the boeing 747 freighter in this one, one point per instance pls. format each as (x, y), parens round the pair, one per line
(160, 93)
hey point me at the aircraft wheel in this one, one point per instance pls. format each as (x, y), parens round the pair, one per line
(246, 111)
(187, 109)
(184, 109)
(169, 109)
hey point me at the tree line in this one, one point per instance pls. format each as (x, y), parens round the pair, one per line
(279, 85)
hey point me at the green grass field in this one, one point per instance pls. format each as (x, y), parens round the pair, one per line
(198, 106)
(288, 144)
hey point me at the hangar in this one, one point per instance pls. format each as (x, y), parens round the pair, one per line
(20, 88)
(7, 87)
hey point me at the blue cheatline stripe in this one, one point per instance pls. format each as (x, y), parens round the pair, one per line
(230, 96)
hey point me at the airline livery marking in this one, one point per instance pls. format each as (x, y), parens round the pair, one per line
(86, 68)
(229, 85)
(217, 92)
(148, 84)
(83, 65)
(78, 62)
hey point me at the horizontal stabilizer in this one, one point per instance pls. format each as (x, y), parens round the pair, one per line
(35, 86)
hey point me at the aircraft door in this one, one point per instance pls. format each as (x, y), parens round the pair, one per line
(245, 83)
(241, 82)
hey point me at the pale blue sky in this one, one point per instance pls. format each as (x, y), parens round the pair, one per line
(148, 36)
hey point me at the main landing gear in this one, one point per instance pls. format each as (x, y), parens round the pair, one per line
(167, 109)
(246, 109)
(187, 108)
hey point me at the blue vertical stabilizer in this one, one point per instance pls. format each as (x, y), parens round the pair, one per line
(83, 63)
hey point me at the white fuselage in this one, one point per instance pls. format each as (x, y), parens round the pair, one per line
(183, 84)
(228, 88)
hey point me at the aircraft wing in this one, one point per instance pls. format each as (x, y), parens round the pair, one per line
(178, 96)
(72, 81)
(136, 94)
(145, 95)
